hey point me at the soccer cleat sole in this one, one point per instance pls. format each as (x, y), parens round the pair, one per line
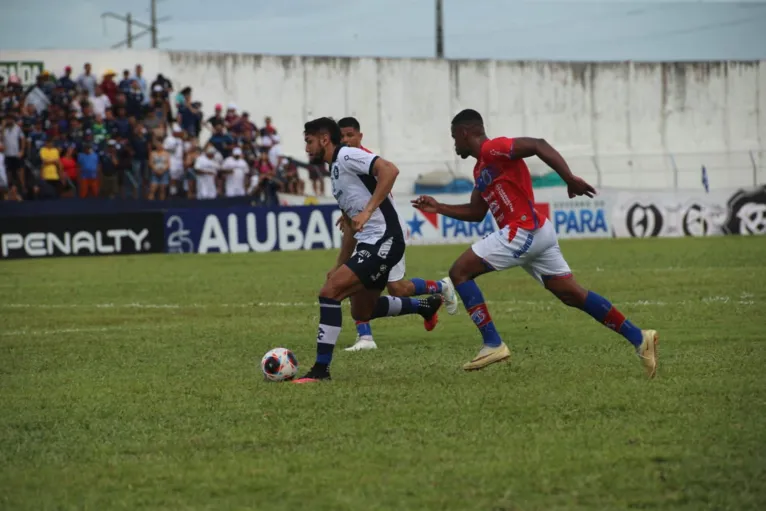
(481, 362)
(431, 322)
(650, 356)
(450, 296)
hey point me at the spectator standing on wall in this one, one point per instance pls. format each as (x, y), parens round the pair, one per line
(69, 168)
(276, 158)
(126, 82)
(235, 171)
(66, 81)
(155, 122)
(110, 168)
(223, 142)
(143, 85)
(135, 100)
(206, 168)
(87, 81)
(191, 153)
(268, 128)
(216, 118)
(231, 117)
(51, 171)
(159, 163)
(14, 144)
(90, 165)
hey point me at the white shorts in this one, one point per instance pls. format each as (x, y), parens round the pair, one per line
(397, 272)
(176, 170)
(538, 252)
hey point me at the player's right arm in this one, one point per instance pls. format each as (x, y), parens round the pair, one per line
(474, 211)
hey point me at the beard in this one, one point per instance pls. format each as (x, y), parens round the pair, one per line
(318, 158)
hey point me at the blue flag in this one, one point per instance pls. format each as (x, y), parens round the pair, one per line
(705, 181)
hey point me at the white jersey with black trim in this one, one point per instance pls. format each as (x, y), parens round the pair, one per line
(353, 185)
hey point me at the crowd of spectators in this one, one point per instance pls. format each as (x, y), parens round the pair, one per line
(93, 136)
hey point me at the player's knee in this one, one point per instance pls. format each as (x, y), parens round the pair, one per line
(458, 275)
(569, 292)
(330, 292)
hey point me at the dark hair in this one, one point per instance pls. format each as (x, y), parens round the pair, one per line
(349, 122)
(468, 116)
(323, 125)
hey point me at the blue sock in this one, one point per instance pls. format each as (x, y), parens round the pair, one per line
(427, 287)
(474, 303)
(363, 328)
(330, 318)
(604, 312)
(392, 306)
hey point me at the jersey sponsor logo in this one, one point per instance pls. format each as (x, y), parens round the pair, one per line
(485, 178)
(178, 240)
(495, 152)
(360, 161)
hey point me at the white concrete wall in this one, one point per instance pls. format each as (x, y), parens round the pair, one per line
(630, 115)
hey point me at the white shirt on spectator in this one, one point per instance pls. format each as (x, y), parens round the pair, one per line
(100, 104)
(206, 180)
(235, 180)
(175, 146)
(3, 175)
(274, 153)
(88, 83)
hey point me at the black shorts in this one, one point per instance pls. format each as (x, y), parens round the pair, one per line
(372, 263)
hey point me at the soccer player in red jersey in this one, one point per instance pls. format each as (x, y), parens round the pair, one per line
(397, 285)
(525, 238)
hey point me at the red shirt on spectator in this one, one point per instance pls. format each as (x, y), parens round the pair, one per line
(110, 89)
(69, 166)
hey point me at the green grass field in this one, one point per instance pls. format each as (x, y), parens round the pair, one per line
(134, 383)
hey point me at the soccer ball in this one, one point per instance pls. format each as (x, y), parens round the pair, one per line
(279, 364)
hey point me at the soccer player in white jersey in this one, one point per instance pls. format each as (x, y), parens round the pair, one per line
(397, 285)
(361, 183)
(235, 170)
(206, 167)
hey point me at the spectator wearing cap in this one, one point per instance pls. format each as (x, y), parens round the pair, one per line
(66, 81)
(51, 170)
(216, 118)
(159, 163)
(206, 169)
(236, 171)
(90, 168)
(110, 168)
(87, 80)
(108, 85)
(231, 117)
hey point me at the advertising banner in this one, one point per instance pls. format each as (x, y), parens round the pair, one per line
(251, 229)
(77, 235)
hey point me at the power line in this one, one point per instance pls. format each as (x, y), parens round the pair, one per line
(150, 28)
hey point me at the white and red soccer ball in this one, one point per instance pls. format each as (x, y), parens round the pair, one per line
(279, 364)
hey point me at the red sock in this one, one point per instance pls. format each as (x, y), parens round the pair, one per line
(614, 319)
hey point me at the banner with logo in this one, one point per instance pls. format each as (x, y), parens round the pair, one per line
(652, 214)
(26, 71)
(251, 229)
(78, 235)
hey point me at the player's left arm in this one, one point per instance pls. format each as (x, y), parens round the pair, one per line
(386, 173)
(524, 147)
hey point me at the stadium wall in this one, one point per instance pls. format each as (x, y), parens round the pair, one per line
(650, 125)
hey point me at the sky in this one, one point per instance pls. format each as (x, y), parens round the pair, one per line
(474, 29)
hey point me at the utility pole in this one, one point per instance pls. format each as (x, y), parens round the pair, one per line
(129, 23)
(439, 30)
(149, 29)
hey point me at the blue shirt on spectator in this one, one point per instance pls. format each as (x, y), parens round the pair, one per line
(122, 127)
(220, 142)
(88, 163)
(140, 147)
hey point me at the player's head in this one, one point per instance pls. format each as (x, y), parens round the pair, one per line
(467, 126)
(321, 136)
(350, 132)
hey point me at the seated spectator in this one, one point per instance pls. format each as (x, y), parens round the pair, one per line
(90, 168)
(159, 163)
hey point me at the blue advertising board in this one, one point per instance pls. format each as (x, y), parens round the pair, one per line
(251, 229)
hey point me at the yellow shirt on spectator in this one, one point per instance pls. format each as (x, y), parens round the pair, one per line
(50, 156)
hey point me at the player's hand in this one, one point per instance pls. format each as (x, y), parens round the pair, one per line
(357, 223)
(578, 186)
(341, 224)
(426, 204)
